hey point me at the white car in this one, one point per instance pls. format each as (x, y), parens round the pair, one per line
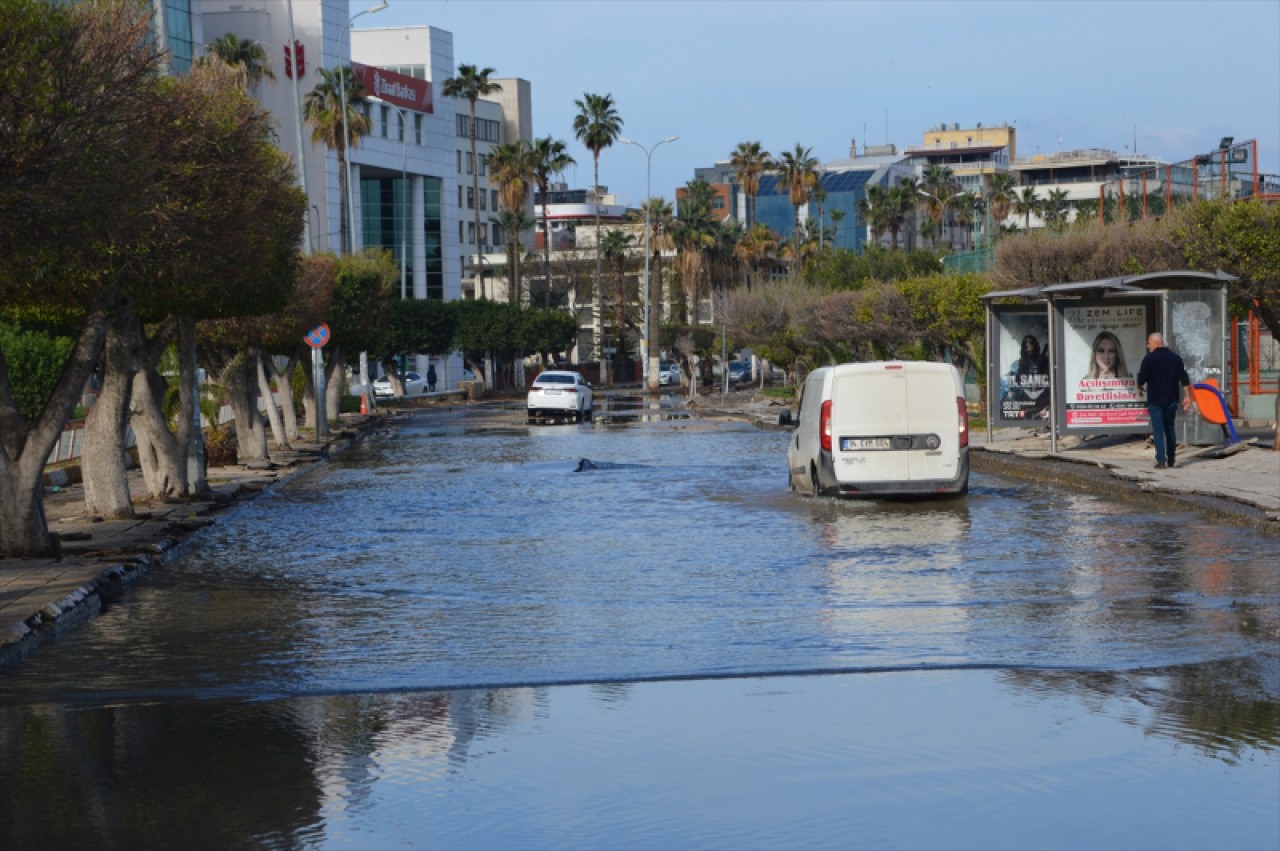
(414, 385)
(669, 375)
(560, 393)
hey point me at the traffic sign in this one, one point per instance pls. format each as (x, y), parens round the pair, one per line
(317, 336)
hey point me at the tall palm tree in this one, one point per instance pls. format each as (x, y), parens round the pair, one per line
(513, 223)
(837, 216)
(1026, 203)
(323, 109)
(876, 211)
(597, 126)
(1000, 195)
(473, 83)
(905, 198)
(659, 213)
(550, 157)
(939, 187)
(966, 210)
(798, 171)
(749, 162)
(617, 250)
(757, 248)
(1056, 209)
(247, 57)
(512, 167)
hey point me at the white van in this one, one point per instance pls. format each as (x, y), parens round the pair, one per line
(888, 428)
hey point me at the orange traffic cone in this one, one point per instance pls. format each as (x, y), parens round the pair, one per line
(364, 403)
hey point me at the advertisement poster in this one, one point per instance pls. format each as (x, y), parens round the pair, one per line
(1102, 347)
(1022, 355)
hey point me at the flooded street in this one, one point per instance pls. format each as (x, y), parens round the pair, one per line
(474, 632)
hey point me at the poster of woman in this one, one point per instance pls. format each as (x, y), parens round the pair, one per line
(1022, 345)
(1099, 341)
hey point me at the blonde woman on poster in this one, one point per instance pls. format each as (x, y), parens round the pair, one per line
(1108, 358)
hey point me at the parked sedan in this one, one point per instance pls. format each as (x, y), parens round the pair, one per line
(739, 371)
(560, 393)
(669, 375)
(414, 385)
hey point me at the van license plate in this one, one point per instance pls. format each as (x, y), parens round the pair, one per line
(852, 444)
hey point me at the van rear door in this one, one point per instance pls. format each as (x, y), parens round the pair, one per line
(868, 410)
(895, 422)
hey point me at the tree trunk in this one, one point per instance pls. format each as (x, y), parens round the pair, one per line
(269, 399)
(190, 431)
(24, 448)
(160, 453)
(597, 307)
(102, 461)
(333, 383)
(239, 382)
(284, 383)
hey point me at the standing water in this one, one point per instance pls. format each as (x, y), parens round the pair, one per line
(473, 632)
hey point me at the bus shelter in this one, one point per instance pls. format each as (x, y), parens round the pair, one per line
(1066, 356)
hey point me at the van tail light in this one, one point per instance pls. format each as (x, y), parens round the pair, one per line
(824, 426)
(964, 421)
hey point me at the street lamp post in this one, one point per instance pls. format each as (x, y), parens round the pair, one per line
(404, 180)
(346, 131)
(649, 369)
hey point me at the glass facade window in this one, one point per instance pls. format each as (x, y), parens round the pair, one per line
(177, 24)
(417, 128)
(388, 221)
(433, 231)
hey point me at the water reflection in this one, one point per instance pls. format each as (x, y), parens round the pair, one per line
(640, 765)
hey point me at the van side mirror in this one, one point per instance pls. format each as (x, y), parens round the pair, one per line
(784, 418)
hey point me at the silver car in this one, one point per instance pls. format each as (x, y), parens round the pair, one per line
(669, 375)
(560, 393)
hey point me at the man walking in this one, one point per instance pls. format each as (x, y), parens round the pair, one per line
(1162, 377)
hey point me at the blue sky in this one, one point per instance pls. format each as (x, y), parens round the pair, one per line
(1176, 74)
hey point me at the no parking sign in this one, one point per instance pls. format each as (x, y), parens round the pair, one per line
(317, 336)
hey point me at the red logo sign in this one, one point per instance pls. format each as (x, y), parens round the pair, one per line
(400, 89)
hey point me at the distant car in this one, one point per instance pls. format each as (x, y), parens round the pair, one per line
(669, 375)
(560, 393)
(414, 385)
(739, 371)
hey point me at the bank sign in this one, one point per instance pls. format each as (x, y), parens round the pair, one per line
(400, 89)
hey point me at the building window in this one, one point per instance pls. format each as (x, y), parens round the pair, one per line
(494, 193)
(464, 125)
(471, 198)
(384, 119)
(177, 25)
(469, 162)
(482, 158)
(417, 129)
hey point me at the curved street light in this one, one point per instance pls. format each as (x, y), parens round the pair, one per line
(346, 132)
(650, 375)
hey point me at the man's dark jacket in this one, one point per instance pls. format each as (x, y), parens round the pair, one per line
(1161, 372)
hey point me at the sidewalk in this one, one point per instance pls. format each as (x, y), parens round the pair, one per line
(1241, 482)
(41, 598)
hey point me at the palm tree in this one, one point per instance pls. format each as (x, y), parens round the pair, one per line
(473, 83)
(659, 214)
(1001, 195)
(905, 198)
(1026, 203)
(550, 156)
(597, 125)
(966, 210)
(246, 56)
(749, 161)
(513, 223)
(617, 250)
(837, 216)
(1056, 208)
(323, 110)
(798, 171)
(939, 187)
(512, 167)
(874, 208)
(757, 248)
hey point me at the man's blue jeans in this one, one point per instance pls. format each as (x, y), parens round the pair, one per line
(1162, 417)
